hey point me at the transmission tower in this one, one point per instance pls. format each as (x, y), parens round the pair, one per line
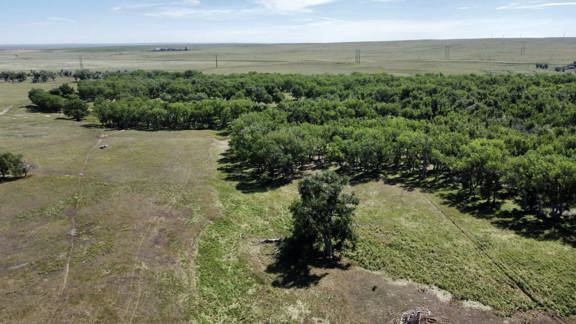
(447, 52)
(216, 60)
(81, 63)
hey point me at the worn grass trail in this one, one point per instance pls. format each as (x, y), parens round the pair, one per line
(101, 235)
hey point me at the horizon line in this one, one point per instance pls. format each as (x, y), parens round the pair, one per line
(5, 46)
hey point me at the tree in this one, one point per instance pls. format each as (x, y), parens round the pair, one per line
(544, 183)
(12, 165)
(75, 108)
(46, 102)
(323, 214)
(64, 90)
(481, 166)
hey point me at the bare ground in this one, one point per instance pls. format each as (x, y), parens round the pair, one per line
(6, 110)
(350, 294)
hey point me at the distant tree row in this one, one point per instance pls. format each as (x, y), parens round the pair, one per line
(42, 76)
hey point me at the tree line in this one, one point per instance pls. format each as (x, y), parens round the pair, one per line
(43, 76)
(494, 136)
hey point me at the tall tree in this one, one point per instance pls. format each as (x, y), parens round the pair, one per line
(323, 214)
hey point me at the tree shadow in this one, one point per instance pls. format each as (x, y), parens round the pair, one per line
(361, 177)
(93, 126)
(10, 179)
(409, 181)
(247, 178)
(538, 228)
(293, 266)
(471, 204)
(520, 222)
(36, 110)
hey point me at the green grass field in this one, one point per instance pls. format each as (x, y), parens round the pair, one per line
(407, 57)
(94, 235)
(151, 229)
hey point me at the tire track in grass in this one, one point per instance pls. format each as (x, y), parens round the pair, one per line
(63, 295)
(210, 208)
(6, 110)
(520, 282)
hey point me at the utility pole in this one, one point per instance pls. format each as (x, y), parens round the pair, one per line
(447, 52)
(358, 58)
(216, 60)
(81, 63)
(523, 49)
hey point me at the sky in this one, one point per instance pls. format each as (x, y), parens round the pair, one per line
(278, 21)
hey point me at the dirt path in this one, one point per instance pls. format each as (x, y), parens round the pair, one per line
(6, 110)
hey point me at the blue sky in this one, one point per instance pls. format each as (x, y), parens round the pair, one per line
(278, 21)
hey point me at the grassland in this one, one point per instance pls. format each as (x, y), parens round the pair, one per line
(154, 229)
(408, 57)
(403, 234)
(95, 235)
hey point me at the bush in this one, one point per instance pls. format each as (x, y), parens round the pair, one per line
(12, 165)
(46, 102)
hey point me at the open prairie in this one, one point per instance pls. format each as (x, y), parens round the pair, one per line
(400, 57)
(95, 235)
(158, 227)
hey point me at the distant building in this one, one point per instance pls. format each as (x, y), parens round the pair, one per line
(171, 49)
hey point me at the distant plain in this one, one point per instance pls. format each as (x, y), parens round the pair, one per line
(399, 57)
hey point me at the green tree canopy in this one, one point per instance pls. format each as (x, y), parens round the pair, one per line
(75, 108)
(323, 214)
(12, 165)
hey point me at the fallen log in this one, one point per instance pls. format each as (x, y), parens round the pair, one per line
(270, 241)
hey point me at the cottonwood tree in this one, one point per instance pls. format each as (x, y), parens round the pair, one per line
(75, 108)
(12, 165)
(323, 214)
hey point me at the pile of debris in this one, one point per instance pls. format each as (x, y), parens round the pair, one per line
(418, 316)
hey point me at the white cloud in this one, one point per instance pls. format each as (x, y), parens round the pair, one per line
(292, 5)
(181, 12)
(154, 5)
(60, 20)
(192, 8)
(536, 5)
